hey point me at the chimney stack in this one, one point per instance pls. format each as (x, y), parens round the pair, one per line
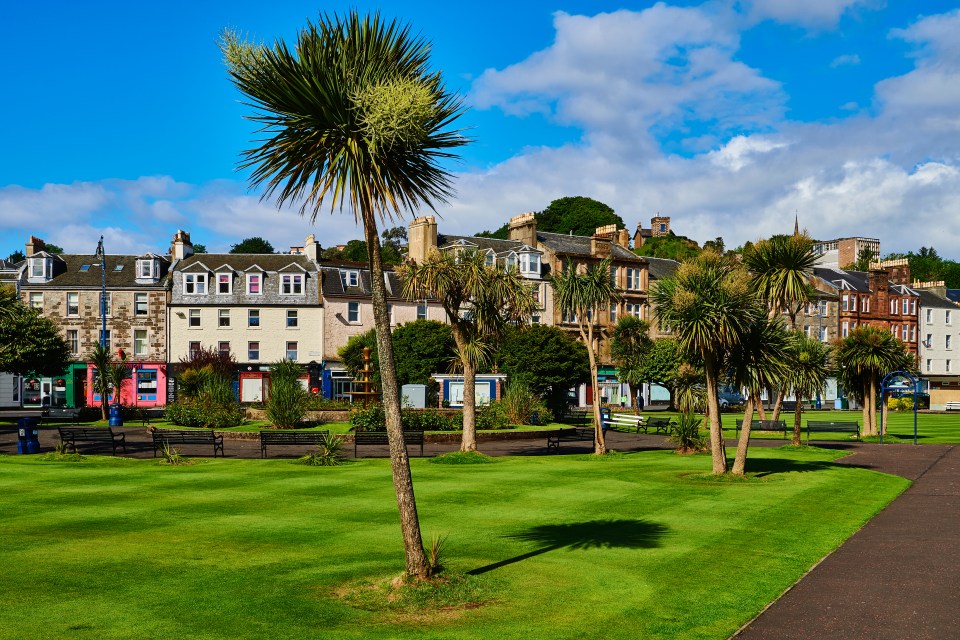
(311, 248)
(34, 245)
(523, 228)
(181, 247)
(421, 238)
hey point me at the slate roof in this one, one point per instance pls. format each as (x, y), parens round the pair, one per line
(580, 246)
(67, 273)
(661, 268)
(499, 246)
(244, 261)
(858, 280)
(332, 285)
(953, 294)
(930, 299)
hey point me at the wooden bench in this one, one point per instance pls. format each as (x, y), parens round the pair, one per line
(577, 434)
(579, 418)
(952, 406)
(626, 420)
(816, 426)
(72, 435)
(291, 438)
(60, 414)
(374, 438)
(659, 425)
(170, 437)
(764, 425)
(153, 413)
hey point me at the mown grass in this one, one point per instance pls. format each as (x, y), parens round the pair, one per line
(635, 546)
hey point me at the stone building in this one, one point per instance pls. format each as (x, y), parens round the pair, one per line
(67, 289)
(659, 226)
(939, 355)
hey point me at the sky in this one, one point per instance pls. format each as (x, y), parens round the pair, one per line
(731, 116)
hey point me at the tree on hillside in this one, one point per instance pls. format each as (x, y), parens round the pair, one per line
(547, 360)
(709, 306)
(481, 301)
(578, 214)
(582, 296)
(670, 246)
(255, 244)
(353, 116)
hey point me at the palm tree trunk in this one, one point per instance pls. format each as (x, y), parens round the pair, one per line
(717, 450)
(882, 427)
(468, 441)
(797, 414)
(635, 391)
(740, 460)
(416, 560)
(599, 446)
(778, 405)
(866, 409)
(873, 407)
(759, 405)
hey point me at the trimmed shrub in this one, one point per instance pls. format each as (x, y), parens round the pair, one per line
(288, 401)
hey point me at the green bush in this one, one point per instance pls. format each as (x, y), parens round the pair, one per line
(287, 404)
(523, 406)
(210, 415)
(368, 418)
(328, 454)
(686, 434)
(491, 417)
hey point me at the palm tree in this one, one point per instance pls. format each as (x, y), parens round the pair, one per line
(862, 359)
(782, 267)
(629, 346)
(102, 361)
(580, 295)
(809, 366)
(480, 301)
(117, 374)
(709, 306)
(757, 362)
(352, 116)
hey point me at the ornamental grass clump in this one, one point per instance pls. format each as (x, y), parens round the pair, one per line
(686, 435)
(328, 454)
(288, 402)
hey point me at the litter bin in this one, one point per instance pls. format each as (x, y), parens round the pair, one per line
(116, 415)
(604, 417)
(28, 436)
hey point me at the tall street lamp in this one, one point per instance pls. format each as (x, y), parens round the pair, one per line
(103, 293)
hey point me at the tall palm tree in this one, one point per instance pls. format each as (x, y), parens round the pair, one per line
(630, 344)
(809, 367)
(480, 301)
(862, 359)
(118, 373)
(782, 267)
(757, 362)
(709, 306)
(352, 116)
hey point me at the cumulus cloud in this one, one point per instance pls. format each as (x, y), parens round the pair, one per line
(846, 60)
(808, 13)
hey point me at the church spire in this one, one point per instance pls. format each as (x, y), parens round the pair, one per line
(796, 224)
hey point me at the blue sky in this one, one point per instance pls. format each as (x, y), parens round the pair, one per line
(729, 116)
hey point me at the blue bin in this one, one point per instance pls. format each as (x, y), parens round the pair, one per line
(28, 436)
(116, 415)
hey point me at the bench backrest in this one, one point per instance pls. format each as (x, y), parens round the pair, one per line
(175, 435)
(294, 437)
(90, 433)
(764, 424)
(825, 424)
(380, 437)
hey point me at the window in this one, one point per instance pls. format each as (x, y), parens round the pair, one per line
(947, 367)
(635, 310)
(929, 365)
(36, 300)
(291, 351)
(511, 260)
(106, 304)
(535, 318)
(929, 316)
(145, 269)
(895, 330)
(223, 348)
(195, 284)
(568, 316)
(73, 340)
(613, 277)
(118, 267)
(421, 311)
(532, 263)
(353, 312)
(139, 342)
(633, 279)
(844, 329)
(349, 278)
(845, 302)
(865, 304)
(613, 313)
(253, 351)
(663, 227)
(913, 306)
(292, 319)
(947, 317)
(73, 304)
(254, 284)
(224, 283)
(823, 334)
(253, 318)
(895, 306)
(806, 330)
(193, 318)
(223, 317)
(291, 284)
(905, 332)
(104, 337)
(929, 341)
(489, 259)
(40, 267)
(194, 349)
(390, 314)
(147, 384)
(913, 333)
(946, 342)
(140, 304)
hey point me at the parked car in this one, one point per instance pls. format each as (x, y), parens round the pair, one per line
(730, 399)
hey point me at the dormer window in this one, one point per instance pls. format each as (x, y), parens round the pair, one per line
(511, 260)
(530, 263)
(254, 284)
(195, 284)
(490, 259)
(147, 269)
(41, 268)
(349, 278)
(224, 284)
(291, 284)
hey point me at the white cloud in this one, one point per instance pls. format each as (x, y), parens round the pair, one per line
(846, 60)
(741, 151)
(54, 204)
(808, 13)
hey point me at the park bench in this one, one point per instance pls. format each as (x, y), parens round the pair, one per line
(817, 426)
(764, 425)
(952, 406)
(659, 425)
(60, 414)
(291, 438)
(72, 435)
(379, 438)
(626, 420)
(153, 413)
(171, 437)
(578, 418)
(577, 434)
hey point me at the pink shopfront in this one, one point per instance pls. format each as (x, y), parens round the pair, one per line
(146, 385)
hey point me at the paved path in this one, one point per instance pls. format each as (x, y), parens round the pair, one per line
(899, 576)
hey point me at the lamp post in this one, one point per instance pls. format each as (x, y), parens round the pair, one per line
(103, 293)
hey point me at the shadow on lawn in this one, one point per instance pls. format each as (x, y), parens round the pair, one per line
(760, 467)
(595, 534)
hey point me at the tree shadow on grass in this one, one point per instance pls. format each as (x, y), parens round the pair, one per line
(760, 467)
(594, 534)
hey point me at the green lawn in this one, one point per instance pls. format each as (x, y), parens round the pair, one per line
(631, 546)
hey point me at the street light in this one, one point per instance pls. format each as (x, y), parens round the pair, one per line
(103, 293)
